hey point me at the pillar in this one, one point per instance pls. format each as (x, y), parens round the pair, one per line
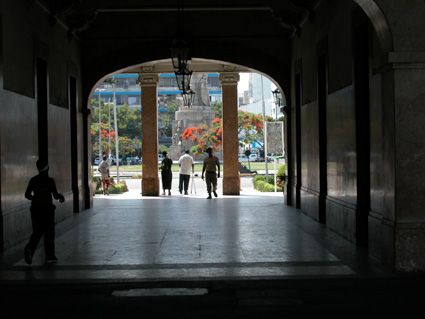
(150, 182)
(231, 179)
(406, 72)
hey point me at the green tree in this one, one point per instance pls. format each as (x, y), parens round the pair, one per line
(172, 107)
(129, 128)
(217, 107)
(129, 121)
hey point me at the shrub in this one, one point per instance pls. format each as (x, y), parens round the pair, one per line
(281, 172)
(259, 185)
(262, 185)
(114, 188)
(118, 188)
(268, 187)
(259, 178)
(263, 178)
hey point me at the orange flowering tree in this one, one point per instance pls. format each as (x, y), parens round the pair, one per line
(250, 128)
(105, 134)
(203, 136)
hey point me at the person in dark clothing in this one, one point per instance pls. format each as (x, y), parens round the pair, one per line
(166, 173)
(39, 191)
(211, 170)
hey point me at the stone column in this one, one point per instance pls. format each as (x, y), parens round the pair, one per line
(408, 71)
(150, 182)
(231, 179)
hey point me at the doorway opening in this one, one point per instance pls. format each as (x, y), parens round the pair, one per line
(188, 127)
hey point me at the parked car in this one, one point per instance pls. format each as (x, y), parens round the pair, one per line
(96, 161)
(113, 160)
(253, 157)
(132, 160)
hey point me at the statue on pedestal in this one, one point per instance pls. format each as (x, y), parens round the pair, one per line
(198, 113)
(200, 85)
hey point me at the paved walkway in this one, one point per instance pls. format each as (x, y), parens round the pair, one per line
(247, 256)
(197, 188)
(129, 237)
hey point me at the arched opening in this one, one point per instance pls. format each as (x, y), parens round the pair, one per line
(194, 127)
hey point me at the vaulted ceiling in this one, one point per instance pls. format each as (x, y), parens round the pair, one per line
(150, 18)
(121, 36)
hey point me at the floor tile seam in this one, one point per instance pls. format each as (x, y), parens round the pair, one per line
(155, 266)
(176, 274)
(199, 281)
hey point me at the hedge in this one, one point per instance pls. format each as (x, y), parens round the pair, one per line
(262, 185)
(114, 188)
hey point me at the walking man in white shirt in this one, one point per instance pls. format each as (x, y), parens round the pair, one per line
(186, 168)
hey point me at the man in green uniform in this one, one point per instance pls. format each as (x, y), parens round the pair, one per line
(211, 170)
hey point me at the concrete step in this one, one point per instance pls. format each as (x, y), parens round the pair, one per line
(392, 297)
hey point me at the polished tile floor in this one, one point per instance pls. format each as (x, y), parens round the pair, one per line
(127, 237)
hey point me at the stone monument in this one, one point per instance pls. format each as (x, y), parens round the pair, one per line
(198, 113)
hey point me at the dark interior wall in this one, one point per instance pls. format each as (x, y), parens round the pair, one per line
(334, 21)
(28, 35)
(308, 143)
(1, 103)
(382, 178)
(18, 76)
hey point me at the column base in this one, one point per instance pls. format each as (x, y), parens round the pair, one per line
(150, 186)
(231, 185)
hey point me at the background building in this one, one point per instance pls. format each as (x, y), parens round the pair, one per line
(127, 90)
(259, 89)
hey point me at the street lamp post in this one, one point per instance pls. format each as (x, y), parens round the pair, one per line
(264, 127)
(109, 130)
(277, 97)
(100, 128)
(116, 134)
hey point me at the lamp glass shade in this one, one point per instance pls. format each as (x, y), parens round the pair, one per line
(277, 97)
(188, 97)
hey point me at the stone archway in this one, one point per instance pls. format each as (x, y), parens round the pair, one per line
(379, 22)
(229, 77)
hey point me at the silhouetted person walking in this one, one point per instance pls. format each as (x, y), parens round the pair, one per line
(209, 168)
(166, 173)
(186, 167)
(39, 191)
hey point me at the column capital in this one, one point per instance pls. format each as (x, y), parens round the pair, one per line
(148, 79)
(229, 78)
